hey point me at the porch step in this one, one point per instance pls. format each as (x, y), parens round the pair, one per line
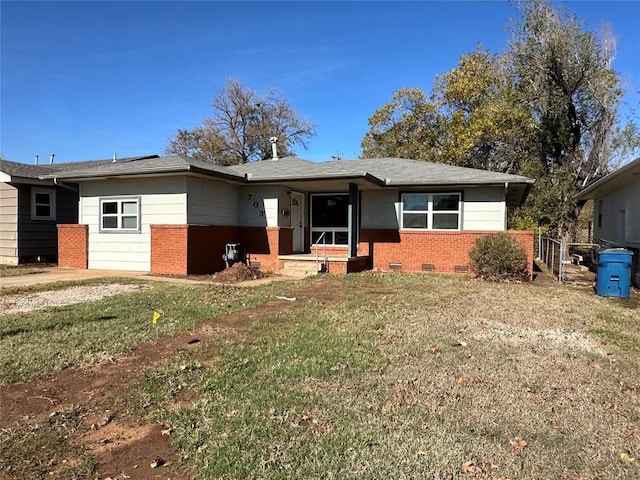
(299, 268)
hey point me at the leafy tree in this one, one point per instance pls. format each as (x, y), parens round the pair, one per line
(472, 119)
(564, 75)
(408, 127)
(549, 108)
(240, 129)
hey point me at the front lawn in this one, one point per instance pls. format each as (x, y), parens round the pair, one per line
(415, 376)
(362, 376)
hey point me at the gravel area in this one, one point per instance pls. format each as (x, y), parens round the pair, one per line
(25, 302)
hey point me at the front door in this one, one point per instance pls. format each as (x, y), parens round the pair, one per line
(297, 222)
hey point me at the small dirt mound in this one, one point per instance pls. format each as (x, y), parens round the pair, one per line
(238, 272)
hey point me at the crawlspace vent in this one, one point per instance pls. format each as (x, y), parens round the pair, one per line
(428, 267)
(395, 266)
(461, 269)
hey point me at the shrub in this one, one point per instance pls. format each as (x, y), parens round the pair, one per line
(499, 257)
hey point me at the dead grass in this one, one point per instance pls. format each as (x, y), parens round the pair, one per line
(381, 386)
(400, 376)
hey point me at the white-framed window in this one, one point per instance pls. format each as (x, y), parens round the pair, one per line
(329, 219)
(43, 204)
(431, 211)
(120, 215)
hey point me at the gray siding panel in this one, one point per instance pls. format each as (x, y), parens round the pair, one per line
(8, 222)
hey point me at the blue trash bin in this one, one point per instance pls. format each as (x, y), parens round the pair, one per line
(613, 277)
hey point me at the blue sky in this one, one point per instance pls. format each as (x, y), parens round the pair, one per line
(88, 79)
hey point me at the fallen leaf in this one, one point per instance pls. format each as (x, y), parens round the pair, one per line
(516, 445)
(627, 458)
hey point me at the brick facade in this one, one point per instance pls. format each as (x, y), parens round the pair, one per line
(198, 249)
(73, 246)
(446, 252)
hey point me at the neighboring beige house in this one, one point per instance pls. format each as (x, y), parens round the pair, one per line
(616, 210)
(174, 215)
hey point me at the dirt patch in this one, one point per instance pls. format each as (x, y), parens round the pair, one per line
(238, 272)
(123, 447)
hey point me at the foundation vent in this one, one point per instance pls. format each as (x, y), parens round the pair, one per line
(461, 269)
(428, 267)
(254, 265)
(395, 266)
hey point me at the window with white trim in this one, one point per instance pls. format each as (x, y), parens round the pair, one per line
(431, 211)
(120, 215)
(329, 219)
(43, 204)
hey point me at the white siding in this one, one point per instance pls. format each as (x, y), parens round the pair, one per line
(378, 209)
(625, 200)
(162, 201)
(212, 202)
(484, 209)
(259, 206)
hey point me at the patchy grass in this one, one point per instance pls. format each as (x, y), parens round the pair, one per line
(14, 270)
(409, 376)
(43, 449)
(43, 341)
(380, 386)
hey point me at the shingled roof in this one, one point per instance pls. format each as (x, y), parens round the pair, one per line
(389, 171)
(23, 170)
(293, 172)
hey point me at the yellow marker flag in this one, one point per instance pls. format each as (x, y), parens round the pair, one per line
(156, 316)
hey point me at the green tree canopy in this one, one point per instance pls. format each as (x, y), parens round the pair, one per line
(548, 108)
(241, 126)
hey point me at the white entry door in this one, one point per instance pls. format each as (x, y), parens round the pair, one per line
(297, 221)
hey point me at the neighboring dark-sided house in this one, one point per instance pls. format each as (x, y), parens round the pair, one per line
(31, 207)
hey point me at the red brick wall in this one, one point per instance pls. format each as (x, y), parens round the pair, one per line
(73, 246)
(169, 249)
(443, 250)
(207, 246)
(263, 245)
(198, 249)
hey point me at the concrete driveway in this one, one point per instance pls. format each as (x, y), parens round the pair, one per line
(55, 274)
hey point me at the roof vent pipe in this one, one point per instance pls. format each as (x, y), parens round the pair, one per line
(115, 158)
(51, 158)
(274, 147)
(35, 160)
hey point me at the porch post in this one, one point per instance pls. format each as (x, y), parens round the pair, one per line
(353, 220)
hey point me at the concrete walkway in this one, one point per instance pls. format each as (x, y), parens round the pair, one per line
(55, 274)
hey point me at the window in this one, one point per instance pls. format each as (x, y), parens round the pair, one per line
(329, 216)
(431, 211)
(43, 204)
(120, 215)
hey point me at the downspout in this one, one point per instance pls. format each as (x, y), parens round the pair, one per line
(506, 206)
(64, 185)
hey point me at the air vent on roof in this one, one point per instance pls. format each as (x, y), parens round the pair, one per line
(51, 158)
(274, 147)
(115, 158)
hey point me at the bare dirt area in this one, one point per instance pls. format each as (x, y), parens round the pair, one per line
(124, 448)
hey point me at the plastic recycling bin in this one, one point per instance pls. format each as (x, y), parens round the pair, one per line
(613, 277)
